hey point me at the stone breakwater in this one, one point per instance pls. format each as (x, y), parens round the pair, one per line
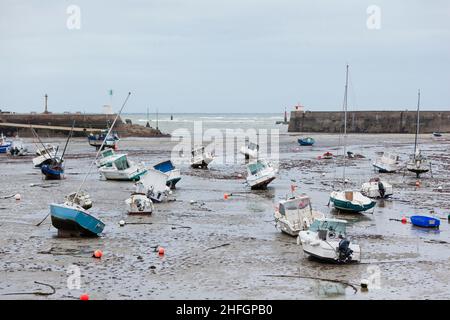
(369, 121)
(85, 121)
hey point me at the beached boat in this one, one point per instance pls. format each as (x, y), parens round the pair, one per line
(83, 199)
(425, 222)
(377, 188)
(200, 158)
(53, 170)
(308, 141)
(437, 134)
(18, 148)
(327, 155)
(250, 150)
(418, 163)
(349, 200)
(295, 214)
(173, 174)
(138, 203)
(107, 157)
(4, 144)
(110, 139)
(74, 220)
(122, 169)
(326, 240)
(387, 163)
(45, 155)
(260, 174)
(153, 183)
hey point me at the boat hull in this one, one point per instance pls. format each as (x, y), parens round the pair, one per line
(351, 206)
(261, 183)
(425, 222)
(4, 148)
(51, 173)
(75, 221)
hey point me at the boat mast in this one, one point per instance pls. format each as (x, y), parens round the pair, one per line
(345, 120)
(417, 123)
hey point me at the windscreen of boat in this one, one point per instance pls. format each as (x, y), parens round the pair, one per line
(294, 204)
(338, 227)
(256, 167)
(121, 163)
(107, 153)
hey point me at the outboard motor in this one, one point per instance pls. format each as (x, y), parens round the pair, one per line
(345, 253)
(381, 189)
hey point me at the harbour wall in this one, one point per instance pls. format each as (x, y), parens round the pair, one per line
(369, 121)
(85, 121)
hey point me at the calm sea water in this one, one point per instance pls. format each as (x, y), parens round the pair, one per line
(219, 121)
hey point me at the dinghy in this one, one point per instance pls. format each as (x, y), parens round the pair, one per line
(73, 220)
(425, 222)
(122, 169)
(388, 163)
(308, 141)
(153, 183)
(417, 162)
(104, 139)
(250, 150)
(260, 174)
(295, 214)
(377, 188)
(349, 200)
(326, 240)
(173, 174)
(53, 170)
(200, 158)
(83, 199)
(107, 156)
(327, 155)
(437, 134)
(138, 203)
(4, 145)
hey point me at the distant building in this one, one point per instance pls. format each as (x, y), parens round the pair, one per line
(107, 109)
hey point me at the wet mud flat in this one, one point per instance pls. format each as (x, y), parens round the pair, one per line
(226, 249)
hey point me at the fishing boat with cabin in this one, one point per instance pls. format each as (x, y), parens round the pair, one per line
(308, 141)
(377, 188)
(200, 158)
(122, 169)
(387, 163)
(139, 204)
(259, 174)
(153, 183)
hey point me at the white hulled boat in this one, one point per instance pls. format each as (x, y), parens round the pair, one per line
(122, 169)
(200, 158)
(260, 174)
(377, 188)
(138, 203)
(107, 156)
(153, 184)
(387, 163)
(250, 150)
(45, 155)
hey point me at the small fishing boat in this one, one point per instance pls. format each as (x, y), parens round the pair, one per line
(295, 214)
(351, 201)
(250, 150)
(437, 134)
(425, 222)
(96, 140)
(83, 199)
(308, 141)
(53, 170)
(138, 203)
(107, 157)
(388, 163)
(74, 220)
(377, 188)
(327, 155)
(326, 240)
(173, 174)
(260, 174)
(153, 183)
(200, 158)
(18, 148)
(122, 169)
(4, 145)
(417, 162)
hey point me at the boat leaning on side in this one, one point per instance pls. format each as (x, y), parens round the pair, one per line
(351, 201)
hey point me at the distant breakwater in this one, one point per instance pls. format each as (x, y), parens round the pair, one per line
(369, 121)
(85, 121)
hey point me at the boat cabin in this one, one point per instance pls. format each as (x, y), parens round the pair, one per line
(256, 167)
(121, 163)
(329, 228)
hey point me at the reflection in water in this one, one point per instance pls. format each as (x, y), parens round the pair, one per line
(421, 231)
(330, 289)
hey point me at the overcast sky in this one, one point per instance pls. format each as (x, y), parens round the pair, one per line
(224, 56)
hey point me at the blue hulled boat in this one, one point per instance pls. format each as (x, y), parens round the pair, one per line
(75, 220)
(425, 222)
(53, 170)
(110, 140)
(306, 141)
(173, 174)
(4, 145)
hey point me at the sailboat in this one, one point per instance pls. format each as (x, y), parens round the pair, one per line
(70, 217)
(417, 162)
(349, 200)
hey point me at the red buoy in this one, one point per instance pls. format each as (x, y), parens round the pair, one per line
(225, 196)
(404, 220)
(161, 251)
(84, 297)
(98, 254)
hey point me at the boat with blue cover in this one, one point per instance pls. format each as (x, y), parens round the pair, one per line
(173, 174)
(75, 220)
(110, 139)
(425, 222)
(53, 170)
(4, 145)
(308, 141)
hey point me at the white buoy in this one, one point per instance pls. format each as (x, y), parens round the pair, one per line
(170, 192)
(121, 223)
(17, 196)
(192, 201)
(323, 174)
(239, 175)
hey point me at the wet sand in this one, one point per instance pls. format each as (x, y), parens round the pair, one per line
(226, 249)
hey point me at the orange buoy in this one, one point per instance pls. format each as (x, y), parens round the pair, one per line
(84, 297)
(417, 183)
(404, 220)
(161, 251)
(98, 254)
(225, 196)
